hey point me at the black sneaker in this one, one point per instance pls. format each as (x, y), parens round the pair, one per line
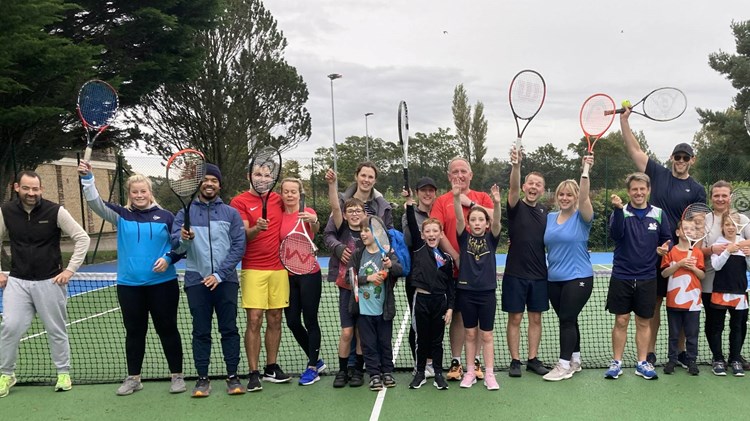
(253, 382)
(536, 366)
(651, 357)
(202, 388)
(682, 359)
(515, 368)
(719, 367)
(234, 386)
(440, 382)
(342, 378)
(669, 367)
(745, 363)
(388, 380)
(737, 369)
(418, 380)
(693, 368)
(357, 378)
(274, 374)
(376, 383)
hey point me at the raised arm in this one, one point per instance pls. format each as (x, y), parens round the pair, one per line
(460, 223)
(631, 143)
(584, 201)
(92, 195)
(496, 212)
(514, 184)
(333, 198)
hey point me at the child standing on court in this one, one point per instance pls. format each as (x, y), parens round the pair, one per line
(375, 305)
(477, 281)
(684, 270)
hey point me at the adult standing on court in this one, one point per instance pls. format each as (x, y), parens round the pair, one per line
(570, 275)
(363, 188)
(460, 174)
(525, 279)
(640, 232)
(264, 281)
(672, 190)
(426, 189)
(304, 290)
(36, 284)
(214, 245)
(146, 276)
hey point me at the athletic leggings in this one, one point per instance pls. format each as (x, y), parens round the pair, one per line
(568, 299)
(410, 291)
(304, 300)
(715, 320)
(160, 300)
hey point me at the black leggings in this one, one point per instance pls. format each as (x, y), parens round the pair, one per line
(568, 299)
(715, 319)
(410, 291)
(304, 300)
(160, 300)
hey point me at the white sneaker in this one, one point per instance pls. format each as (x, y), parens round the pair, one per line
(575, 366)
(559, 373)
(429, 371)
(130, 385)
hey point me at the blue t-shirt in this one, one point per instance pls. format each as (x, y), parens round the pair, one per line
(371, 297)
(567, 248)
(478, 269)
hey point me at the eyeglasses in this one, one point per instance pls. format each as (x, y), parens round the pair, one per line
(683, 158)
(354, 211)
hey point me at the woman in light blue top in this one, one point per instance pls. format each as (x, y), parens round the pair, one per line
(570, 276)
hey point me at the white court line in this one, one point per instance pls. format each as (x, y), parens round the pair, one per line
(44, 332)
(375, 414)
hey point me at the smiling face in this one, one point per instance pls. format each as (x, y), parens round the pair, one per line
(29, 190)
(431, 233)
(261, 178)
(681, 163)
(459, 173)
(533, 188)
(365, 179)
(353, 215)
(140, 195)
(728, 228)
(638, 192)
(426, 196)
(210, 188)
(721, 197)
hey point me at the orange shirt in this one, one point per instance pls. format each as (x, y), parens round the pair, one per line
(683, 287)
(262, 252)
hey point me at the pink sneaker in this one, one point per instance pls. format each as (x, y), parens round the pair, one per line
(490, 382)
(469, 379)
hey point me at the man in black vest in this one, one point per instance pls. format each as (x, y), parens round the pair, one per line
(37, 282)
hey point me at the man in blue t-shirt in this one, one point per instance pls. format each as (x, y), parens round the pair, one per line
(672, 191)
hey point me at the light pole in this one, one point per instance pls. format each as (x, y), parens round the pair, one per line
(334, 76)
(367, 138)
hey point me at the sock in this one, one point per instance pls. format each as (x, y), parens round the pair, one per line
(565, 364)
(641, 362)
(470, 368)
(618, 362)
(457, 359)
(359, 365)
(343, 363)
(577, 357)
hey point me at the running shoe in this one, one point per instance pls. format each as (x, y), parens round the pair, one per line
(177, 384)
(253, 382)
(719, 368)
(646, 370)
(745, 363)
(234, 386)
(342, 378)
(388, 380)
(308, 377)
(515, 368)
(737, 369)
(490, 382)
(130, 385)
(478, 369)
(440, 382)
(651, 357)
(376, 384)
(682, 359)
(429, 371)
(469, 379)
(6, 382)
(614, 371)
(559, 373)
(321, 366)
(274, 374)
(202, 388)
(669, 367)
(357, 378)
(536, 366)
(576, 366)
(693, 368)
(63, 382)
(417, 381)
(456, 371)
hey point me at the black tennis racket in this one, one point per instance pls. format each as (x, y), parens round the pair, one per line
(297, 250)
(265, 168)
(663, 104)
(97, 106)
(185, 172)
(694, 224)
(526, 97)
(403, 138)
(747, 120)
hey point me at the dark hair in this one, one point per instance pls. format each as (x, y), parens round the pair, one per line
(479, 209)
(28, 173)
(352, 202)
(366, 164)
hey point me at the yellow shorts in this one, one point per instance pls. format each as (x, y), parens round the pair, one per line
(264, 289)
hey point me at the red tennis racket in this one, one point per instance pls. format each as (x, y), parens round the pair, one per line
(596, 117)
(297, 250)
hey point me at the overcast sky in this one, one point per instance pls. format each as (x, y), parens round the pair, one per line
(419, 50)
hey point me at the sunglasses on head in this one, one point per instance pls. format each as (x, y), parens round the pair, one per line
(681, 157)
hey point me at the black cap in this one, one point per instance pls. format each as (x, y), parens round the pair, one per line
(426, 181)
(685, 148)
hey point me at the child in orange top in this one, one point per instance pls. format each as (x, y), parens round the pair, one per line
(684, 268)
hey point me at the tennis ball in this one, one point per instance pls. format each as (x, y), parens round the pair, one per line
(626, 104)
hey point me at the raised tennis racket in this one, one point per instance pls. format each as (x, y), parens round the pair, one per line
(380, 234)
(694, 224)
(526, 97)
(747, 120)
(185, 172)
(740, 208)
(97, 106)
(297, 250)
(355, 284)
(596, 117)
(663, 104)
(265, 168)
(403, 139)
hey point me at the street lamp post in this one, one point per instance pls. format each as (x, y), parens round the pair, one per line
(334, 76)
(367, 138)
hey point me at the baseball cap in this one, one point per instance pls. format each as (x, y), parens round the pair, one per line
(426, 181)
(684, 148)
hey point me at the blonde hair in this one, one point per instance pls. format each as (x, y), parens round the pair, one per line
(567, 184)
(301, 188)
(139, 178)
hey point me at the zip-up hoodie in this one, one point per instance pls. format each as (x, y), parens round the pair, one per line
(219, 242)
(389, 305)
(143, 236)
(636, 240)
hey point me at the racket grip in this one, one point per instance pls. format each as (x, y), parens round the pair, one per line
(87, 154)
(585, 172)
(186, 221)
(406, 179)
(518, 150)
(617, 111)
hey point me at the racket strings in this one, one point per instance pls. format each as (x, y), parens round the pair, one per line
(265, 167)
(98, 103)
(297, 254)
(594, 119)
(380, 234)
(665, 104)
(694, 221)
(527, 95)
(185, 173)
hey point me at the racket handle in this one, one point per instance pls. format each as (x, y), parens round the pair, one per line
(87, 154)
(585, 172)
(690, 252)
(518, 150)
(406, 180)
(186, 221)
(617, 111)
(302, 202)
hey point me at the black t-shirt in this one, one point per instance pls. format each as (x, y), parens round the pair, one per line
(526, 225)
(672, 194)
(478, 270)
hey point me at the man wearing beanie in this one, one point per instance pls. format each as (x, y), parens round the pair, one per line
(215, 245)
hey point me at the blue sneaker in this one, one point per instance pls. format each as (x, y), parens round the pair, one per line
(309, 377)
(321, 366)
(646, 370)
(615, 369)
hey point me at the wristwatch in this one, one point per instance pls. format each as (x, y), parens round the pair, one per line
(472, 204)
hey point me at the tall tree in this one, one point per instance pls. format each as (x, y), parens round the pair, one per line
(471, 131)
(246, 96)
(462, 120)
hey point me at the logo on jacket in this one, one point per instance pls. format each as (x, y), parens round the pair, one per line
(157, 217)
(652, 226)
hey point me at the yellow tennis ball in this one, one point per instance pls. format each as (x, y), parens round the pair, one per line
(626, 104)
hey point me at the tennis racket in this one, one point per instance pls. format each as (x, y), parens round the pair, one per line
(747, 120)
(297, 250)
(97, 106)
(355, 284)
(185, 172)
(596, 117)
(265, 168)
(403, 138)
(663, 104)
(740, 208)
(694, 224)
(380, 234)
(526, 97)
